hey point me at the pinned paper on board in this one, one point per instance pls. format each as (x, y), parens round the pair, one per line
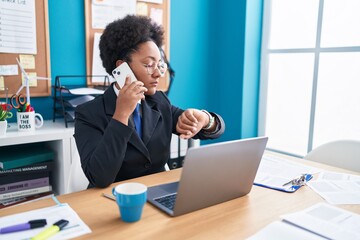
(2, 83)
(141, 9)
(9, 70)
(18, 21)
(32, 79)
(23, 25)
(97, 67)
(156, 14)
(106, 11)
(27, 61)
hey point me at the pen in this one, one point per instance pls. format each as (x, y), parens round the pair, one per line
(297, 182)
(109, 196)
(51, 230)
(24, 226)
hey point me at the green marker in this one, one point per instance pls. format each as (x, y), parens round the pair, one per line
(51, 230)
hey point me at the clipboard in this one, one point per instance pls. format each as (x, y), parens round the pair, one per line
(290, 186)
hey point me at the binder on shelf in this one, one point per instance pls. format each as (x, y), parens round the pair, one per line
(7, 179)
(30, 172)
(19, 156)
(24, 193)
(24, 185)
(27, 199)
(32, 169)
(178, 148)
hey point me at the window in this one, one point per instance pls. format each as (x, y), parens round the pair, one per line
(310, 74)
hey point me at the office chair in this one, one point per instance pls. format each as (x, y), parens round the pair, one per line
(77, 179)
(342, 153)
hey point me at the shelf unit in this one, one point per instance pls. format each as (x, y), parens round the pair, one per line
(55, 137)
(67, 97)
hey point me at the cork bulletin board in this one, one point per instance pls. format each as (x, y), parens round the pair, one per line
(158, 8)
(39, 64)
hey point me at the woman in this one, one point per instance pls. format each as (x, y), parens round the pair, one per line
(110, 148)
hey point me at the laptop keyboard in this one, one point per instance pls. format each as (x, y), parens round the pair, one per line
(168, 200)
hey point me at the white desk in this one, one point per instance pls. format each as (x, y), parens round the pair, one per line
(56, 137)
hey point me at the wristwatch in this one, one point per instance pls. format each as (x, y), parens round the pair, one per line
(211, 120)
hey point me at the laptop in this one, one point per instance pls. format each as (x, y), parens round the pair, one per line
(211, 174)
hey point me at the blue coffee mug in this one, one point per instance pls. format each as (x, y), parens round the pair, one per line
(130, 198)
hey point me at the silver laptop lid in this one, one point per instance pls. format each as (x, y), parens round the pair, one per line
(217, 173)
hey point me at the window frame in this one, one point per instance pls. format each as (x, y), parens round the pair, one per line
(265, 52)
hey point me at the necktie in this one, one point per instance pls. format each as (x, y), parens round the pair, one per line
(137, 120)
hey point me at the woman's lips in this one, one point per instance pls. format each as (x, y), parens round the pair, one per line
(154, 84)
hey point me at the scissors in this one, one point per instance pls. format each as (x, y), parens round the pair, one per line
(19, 102)
(5, 111)
(6, 106)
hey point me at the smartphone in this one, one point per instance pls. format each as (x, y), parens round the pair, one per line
(121, 72)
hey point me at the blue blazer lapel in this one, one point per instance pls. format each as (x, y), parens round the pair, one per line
(150, 119)
(139, 144)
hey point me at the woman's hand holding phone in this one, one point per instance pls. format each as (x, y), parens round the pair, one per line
(130, 94)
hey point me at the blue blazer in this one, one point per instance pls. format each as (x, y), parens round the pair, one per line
(111, 151)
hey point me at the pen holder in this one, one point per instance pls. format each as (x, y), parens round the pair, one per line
(29, 121)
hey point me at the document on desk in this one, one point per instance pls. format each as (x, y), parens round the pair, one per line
(281, 230)
(75, 228)
(321, 221)
(328, 221)
(274, 172)
(337, 188)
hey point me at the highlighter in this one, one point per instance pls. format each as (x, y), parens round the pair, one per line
(51, 230)
(24, 226)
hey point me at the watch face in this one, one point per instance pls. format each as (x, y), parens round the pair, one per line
(211, 120)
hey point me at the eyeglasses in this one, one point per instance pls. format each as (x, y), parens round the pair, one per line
(161, 66)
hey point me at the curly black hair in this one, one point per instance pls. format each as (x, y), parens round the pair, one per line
(121, 37)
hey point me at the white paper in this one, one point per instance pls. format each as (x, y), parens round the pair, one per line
(152, 1)
(97, 67)
(156, 14)
(336, 176)
(280, 230)
(85, 91)
(275, 171)
(174, 146)
(8, 70)
(183, 147)
(75, 228)
(106, 11)
(18, 27)
(337, 188)
(328, 221)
